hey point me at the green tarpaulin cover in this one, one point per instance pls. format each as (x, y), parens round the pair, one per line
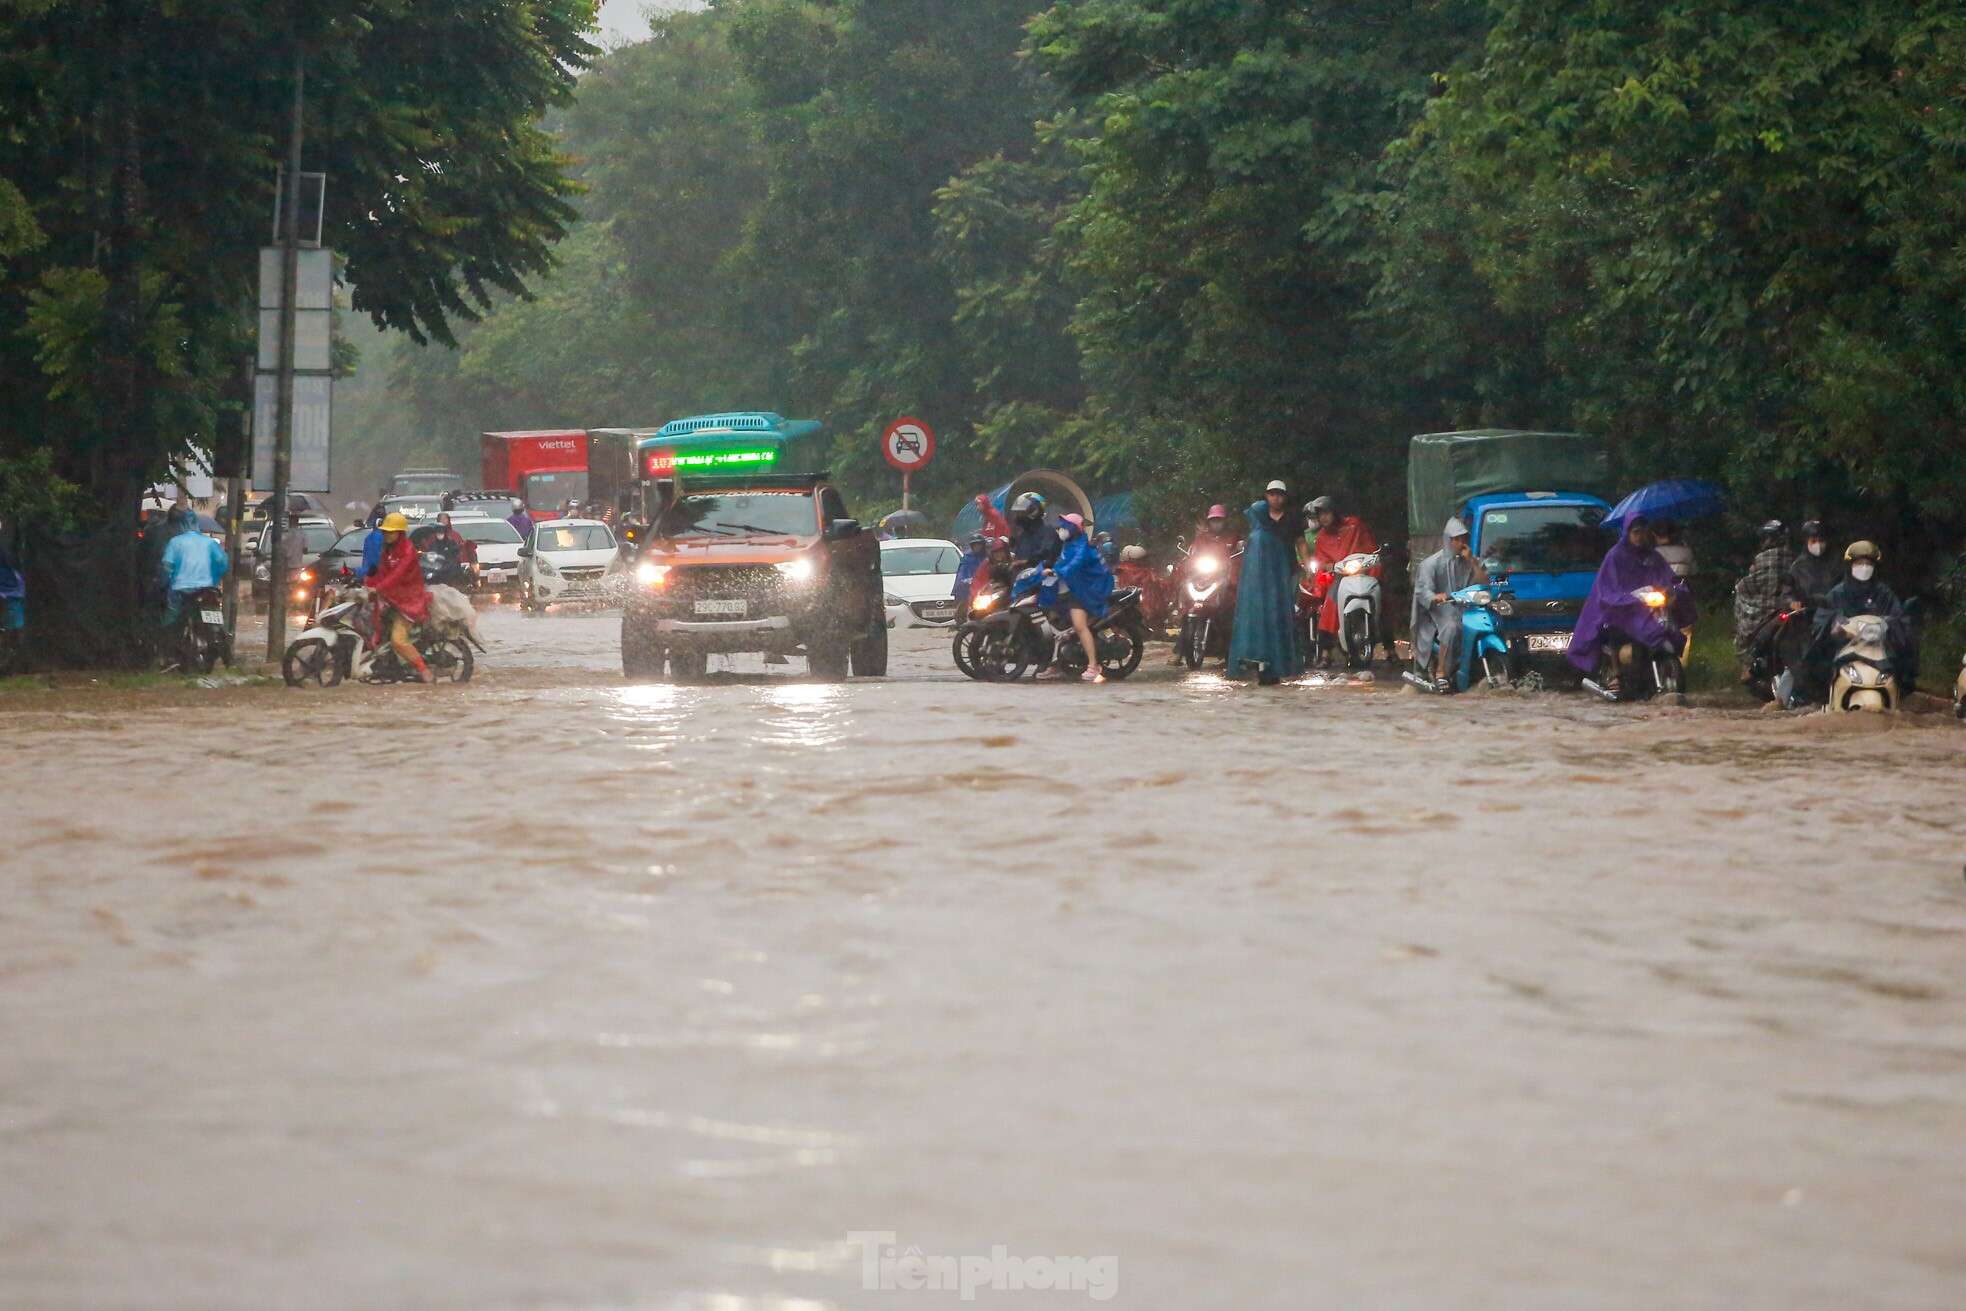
(1445, 469)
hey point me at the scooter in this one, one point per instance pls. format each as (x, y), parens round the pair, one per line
(337, 648)
(1629, 670)
(1023, 635)
(1206, 604)
(1865, 678)
(1358, 608)
(1482, 647)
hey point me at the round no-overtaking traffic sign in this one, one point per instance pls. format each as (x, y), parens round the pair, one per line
(908, 444)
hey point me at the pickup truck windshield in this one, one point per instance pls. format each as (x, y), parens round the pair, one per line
(1554, 539)
(741, 514)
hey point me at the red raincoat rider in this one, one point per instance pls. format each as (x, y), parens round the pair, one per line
(397, 587)
(1337, 537)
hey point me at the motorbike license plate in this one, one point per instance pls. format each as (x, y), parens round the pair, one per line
(1549, 641)
(738, 608)
(211, 617)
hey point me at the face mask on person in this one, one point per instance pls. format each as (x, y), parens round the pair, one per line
(1815, 548)
(1863, 572)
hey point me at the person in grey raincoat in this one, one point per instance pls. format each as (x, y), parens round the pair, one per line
(1437, 620)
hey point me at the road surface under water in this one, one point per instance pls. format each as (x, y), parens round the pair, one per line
(557, 992)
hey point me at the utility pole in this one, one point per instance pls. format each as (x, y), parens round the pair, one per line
(283, 432)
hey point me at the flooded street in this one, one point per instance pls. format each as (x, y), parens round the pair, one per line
(552, 991)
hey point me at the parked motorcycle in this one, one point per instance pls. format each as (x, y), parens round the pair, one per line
(1629, 670)
(201, 639)
(1206, 603)
(1023, 636)
(1865, 676)
(338, 647)
(1483, 654)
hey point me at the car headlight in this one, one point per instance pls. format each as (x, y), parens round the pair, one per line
(1504, 607)
(892, 599)
(795, 571)
(545, 566)
(650, 574)
(262, 573)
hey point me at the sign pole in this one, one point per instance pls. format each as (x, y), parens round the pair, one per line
(904, 491)
(283, 429)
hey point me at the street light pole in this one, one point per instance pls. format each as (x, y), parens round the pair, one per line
(283, 425)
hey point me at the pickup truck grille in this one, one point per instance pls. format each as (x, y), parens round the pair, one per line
(724, 582)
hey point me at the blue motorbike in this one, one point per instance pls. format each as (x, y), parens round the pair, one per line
(1484, 655)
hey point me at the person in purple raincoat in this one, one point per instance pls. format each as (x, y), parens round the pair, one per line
(1612, 611)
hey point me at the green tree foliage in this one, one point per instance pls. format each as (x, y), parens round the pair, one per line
(140, 139)
(1726, 234)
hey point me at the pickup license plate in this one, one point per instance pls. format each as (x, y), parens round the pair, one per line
(738, 608)
(211, 617)
(1549, 641)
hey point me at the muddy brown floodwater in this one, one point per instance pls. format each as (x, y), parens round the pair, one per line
(556, 992)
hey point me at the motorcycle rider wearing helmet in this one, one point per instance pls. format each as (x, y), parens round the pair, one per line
(1217, 530)
(1436, 619)
(1032, 541)
(1762, 591)
(1338, 536)
(397, 585)
(1814, 573)
(973, 560)
(1862, 593)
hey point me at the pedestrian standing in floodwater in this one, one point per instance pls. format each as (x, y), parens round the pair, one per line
(1265, 634)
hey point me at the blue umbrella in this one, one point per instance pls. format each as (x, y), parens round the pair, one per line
(1678, 499)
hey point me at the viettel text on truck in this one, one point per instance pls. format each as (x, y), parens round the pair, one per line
(545, 468)
(746, 551)
(1533, 503)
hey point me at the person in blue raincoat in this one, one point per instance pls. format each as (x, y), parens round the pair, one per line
(1265, 633)
(973, 559)
(13, 590)
(192, 563)
(1080, 582)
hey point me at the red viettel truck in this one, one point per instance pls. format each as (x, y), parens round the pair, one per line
(545, 468)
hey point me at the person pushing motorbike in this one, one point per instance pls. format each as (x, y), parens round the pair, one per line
(1338, 535)
(401, 599)
(1862, 593)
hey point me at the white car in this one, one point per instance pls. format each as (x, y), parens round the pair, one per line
(567, 560)
(497, 543)
(919, 577)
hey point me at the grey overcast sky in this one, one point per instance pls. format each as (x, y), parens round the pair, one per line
(623, 20)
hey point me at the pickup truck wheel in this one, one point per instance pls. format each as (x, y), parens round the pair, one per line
(688, 666)
(641, 656)
(869, 654)
(827, 658)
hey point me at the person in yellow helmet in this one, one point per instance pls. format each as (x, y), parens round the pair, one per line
(397, 585)
(1861, 593)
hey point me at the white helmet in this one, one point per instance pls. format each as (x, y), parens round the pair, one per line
(1132, 553)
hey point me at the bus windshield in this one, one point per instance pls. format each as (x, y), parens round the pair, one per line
(1552, 539)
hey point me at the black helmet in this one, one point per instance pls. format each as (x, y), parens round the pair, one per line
(1029, 505)
(976, 541)
(1319, 505)
(1813, 528)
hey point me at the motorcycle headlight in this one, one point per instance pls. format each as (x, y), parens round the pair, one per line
(1198, 592)
(1351, 568)
(1207, 564)
(984, 603)
(795, 571)
(1870, 631)
(1652, 597)
(1481, 598)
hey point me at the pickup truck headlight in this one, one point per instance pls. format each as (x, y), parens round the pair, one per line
(650, 574)
(796, 571)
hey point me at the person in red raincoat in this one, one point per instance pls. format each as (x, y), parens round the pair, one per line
(1338, 535)
(397, 588)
